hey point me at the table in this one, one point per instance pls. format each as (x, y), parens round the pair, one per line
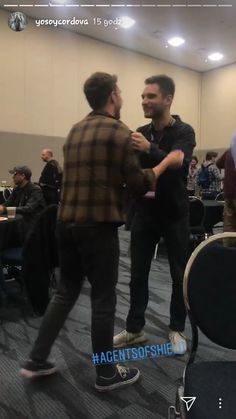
(213, 214)
(11, 232)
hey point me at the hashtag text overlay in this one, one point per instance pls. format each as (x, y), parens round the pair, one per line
(132, 354)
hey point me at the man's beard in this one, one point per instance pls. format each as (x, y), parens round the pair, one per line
(159, 113)
(154, 113)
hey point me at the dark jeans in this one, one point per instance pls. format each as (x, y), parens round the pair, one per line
(143, 241)
(91, 251)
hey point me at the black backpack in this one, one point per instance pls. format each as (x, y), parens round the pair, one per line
(203, 179)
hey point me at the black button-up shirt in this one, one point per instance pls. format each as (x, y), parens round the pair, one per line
(171, 201)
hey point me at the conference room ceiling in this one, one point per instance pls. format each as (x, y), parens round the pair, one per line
(206, 26)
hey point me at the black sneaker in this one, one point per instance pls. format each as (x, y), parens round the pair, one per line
(123, 377)
(33, 369)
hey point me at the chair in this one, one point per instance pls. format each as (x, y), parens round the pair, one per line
(220, 197)
(38, 259)
(219, 226)
(6, 193)
(196, 220)
(209, 293)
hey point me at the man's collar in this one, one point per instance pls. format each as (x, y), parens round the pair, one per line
(104, 113)
(172, 121)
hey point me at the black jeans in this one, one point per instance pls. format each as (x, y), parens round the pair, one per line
(144, 238)
(91, 251)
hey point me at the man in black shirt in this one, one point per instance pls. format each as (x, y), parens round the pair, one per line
(164, 213)
(26, 197)
(51, 177)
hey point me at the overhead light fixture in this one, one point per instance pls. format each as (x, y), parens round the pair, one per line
(176, 41)
(57, 2)
(126, 22)
(216, 56)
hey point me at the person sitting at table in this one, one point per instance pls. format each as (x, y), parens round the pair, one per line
(26, 197)
(209, 177)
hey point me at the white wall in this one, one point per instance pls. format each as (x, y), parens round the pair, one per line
(43, 70)
(218, 107)
(42, 73)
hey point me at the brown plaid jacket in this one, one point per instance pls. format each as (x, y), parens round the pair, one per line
(98, 163)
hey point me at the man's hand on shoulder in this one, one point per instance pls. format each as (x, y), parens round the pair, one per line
(140, 143)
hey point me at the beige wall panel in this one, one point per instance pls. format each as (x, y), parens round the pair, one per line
(12, 86)
(42, 74)
(39, 99)
(54, 64)
(218, 107)
(66, 92)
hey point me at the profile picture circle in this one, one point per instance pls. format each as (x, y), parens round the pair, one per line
(17, 21)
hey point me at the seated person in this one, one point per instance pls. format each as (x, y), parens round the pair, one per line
(26, 197)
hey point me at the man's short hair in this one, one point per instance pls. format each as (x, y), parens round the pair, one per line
(48, 151)
(166, 84)
(98, 88)
(211, 154)
(22, 170)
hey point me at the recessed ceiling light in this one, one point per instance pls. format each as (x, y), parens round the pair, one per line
(58, 2)
(127, 22)
(216, 56)
(176, 41)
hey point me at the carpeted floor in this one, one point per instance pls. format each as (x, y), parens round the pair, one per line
(70, 393)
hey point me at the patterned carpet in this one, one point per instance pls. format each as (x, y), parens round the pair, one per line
(70, 393)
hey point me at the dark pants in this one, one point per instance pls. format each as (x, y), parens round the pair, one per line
(143, 241)
(51, 196)
(91, 251)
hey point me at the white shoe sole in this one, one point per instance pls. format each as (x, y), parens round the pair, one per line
(32, 374)
(118, 385)
(134, 341)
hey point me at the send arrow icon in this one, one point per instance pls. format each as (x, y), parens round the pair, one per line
(188, 401)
